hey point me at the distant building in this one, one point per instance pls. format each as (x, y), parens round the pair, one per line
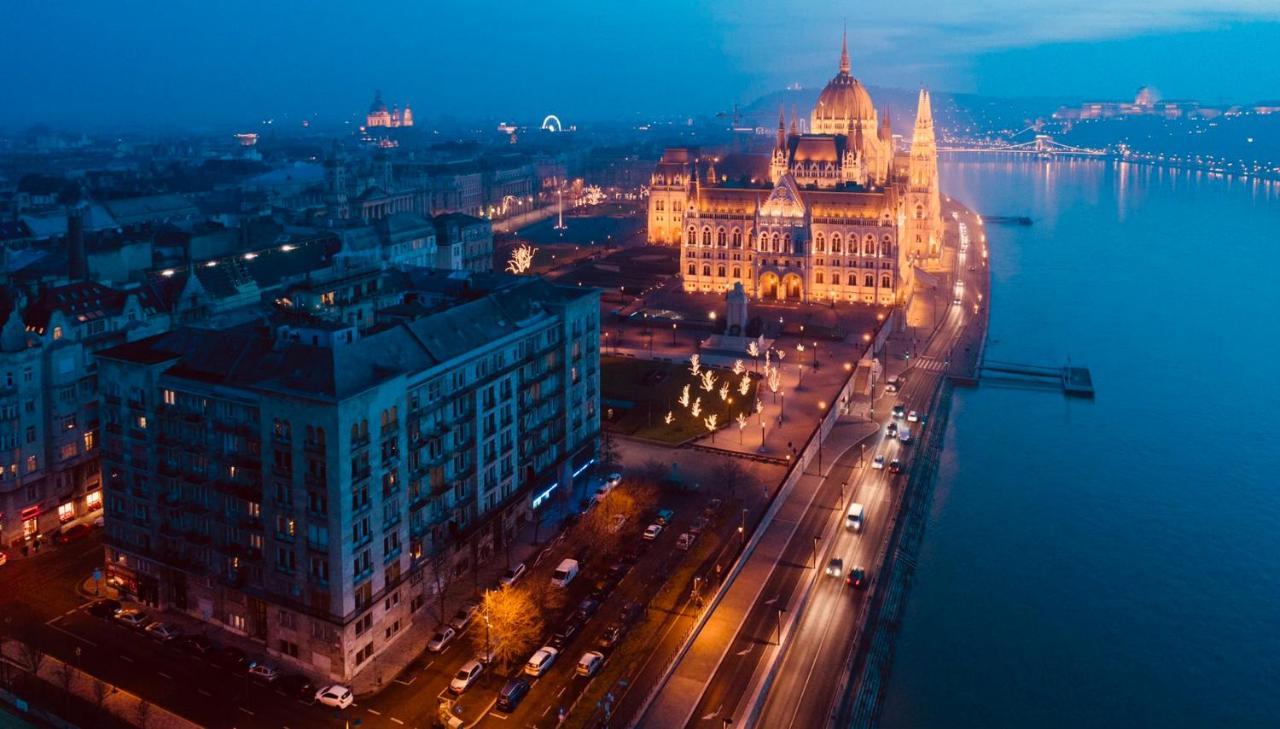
(463, 242)
(379, 116)
(311, 486)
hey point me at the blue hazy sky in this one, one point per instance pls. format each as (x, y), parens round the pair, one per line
(115, 62)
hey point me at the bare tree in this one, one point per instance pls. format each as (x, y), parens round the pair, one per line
(610, 456)
(442, 576)
(511, 625)
(729, 473)
(99, 690)
(142, 713)
(65, 674)
(32, 658)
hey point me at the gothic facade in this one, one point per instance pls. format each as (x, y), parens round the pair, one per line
(839, 215)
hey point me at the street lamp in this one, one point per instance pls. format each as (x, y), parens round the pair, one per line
(815, 551)
(742, 529)
(673, 332)
(815, 355)
(780, 612)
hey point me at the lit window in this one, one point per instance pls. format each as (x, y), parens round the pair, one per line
(57, 332)
(170, 397)
(93, 500)
(66, 512)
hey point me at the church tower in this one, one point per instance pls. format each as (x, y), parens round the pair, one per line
(924, 203)
(778, 167)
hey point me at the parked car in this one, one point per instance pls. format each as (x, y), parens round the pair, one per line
(878, 461)
(651, 532)
(466, 676)
(197, 645)
(511, 575)
(74, 534)
(685, 540)
(835, 567)
(565, 633)
(132, 618)
(163, 632)
(630, 611)
(610, 637)
(339, 697)
(618, 570)
(442, 638)
(263, 672)
(462, 618)
(232, 658)
(588, 607)
(665, 516)
(713, 507)
(104, 608)
(512, 693)
(297, 686)
(699, 525)
(541, 660)
(589, 663)
(613, 479)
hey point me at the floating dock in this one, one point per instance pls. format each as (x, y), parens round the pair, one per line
(1007, 219)
(1074, 381)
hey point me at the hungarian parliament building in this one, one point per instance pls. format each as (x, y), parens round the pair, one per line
(839, 214)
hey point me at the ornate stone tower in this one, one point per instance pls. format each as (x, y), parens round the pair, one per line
(335, 182)
(924, 204)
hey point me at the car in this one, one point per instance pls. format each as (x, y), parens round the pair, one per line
(466, 676)
(651, 532)
(610, 637)
(835, 567)
(684, 541)
(588, 607)
(598, 496)
(197, 645)
(462, 618)
(339, 697)
(899, 411)
(713, 507)
(512, 693)
(665, 516)
(699, 525)
(857, 578)
(512, 575)
(297, 686)
(630, 611)
(895, 466)
(132, 618)
(613, 479)
(891, 430)
(103, 608)
(878, 461)
(589, 663)
(442, 638)
(162, 632)
(893, 385)
(565, 633)
(618, 570)
(541, 660)
(74, 534)
(4, 558)
(904, 435)
(232, 658)
(263, 672)
(913, 417)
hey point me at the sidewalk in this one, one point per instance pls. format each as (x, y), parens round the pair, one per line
(683, 689)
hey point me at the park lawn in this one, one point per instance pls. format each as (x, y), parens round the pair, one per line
(623, 380)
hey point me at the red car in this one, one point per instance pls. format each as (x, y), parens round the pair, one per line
(74, 534)
(857, 578)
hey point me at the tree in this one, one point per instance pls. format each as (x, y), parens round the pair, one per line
(141, 713)
(521, 259)
(65, 674)
(511, 625)
(442, 575)
(610, 455)
(99, 690)
(31, 657)
(729, 472)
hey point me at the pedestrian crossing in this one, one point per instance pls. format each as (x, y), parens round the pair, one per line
(929, 364)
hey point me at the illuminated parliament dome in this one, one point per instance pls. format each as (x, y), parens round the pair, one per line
(842, 102)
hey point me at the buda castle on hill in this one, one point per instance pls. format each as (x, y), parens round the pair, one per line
(839, 214)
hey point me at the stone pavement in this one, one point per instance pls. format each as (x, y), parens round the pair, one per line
(678, 698)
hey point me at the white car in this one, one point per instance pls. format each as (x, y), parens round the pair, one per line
(263, 672)
(878, 461)
(442, 638)
(904, 435)
(540, 661)
(133, 617)
(339, 697)
(589, 663)
(462, 618)
(163, 632)
(913, 417)
(652, 531)
(835, 567)
(466, 676)
(510, 576)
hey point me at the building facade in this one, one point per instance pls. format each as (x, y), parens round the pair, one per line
(839, 216)
(311, 484)
(380, 116)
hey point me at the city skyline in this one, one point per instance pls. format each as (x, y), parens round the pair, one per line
(174, 67)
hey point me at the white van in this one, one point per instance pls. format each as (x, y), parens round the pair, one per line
(565, 573)
(853, 518)
(904, 435)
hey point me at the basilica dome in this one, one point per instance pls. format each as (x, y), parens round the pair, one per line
(844, 98)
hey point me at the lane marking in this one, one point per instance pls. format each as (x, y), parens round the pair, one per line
(496, 715)
(401, 723)
(123, 657)
(202, 692)
(164, 675)
(73, 635)
(375, 713)
(250, 713)
(561, 691)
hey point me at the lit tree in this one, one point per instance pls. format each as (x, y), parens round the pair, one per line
(799, 365)
(695, 364)
(521, 259)
(669, 417)
(753, 350)
(724, 392)
(745, 385)
(708, 380)
(710, 422)
(684, 397)
(513, 623)
(775, 382)
(738, 367)
(742, 426)
(696, 410)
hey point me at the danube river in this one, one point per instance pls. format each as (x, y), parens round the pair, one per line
(1114, 562)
